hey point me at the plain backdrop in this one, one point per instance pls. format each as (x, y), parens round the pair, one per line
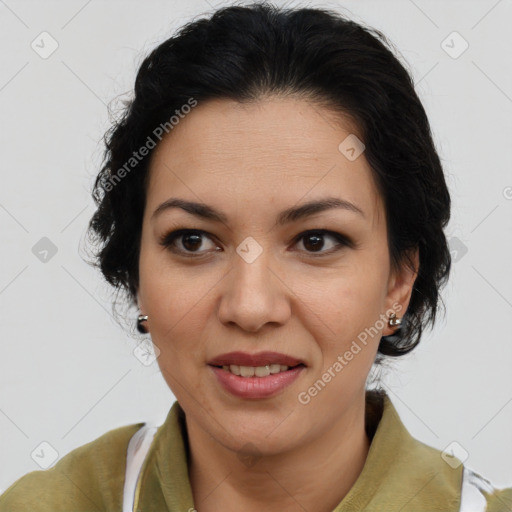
(68, 372)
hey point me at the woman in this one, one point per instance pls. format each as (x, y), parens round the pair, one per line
(273, 203)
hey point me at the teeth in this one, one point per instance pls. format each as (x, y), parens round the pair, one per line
(247, 371)
(234, 368)
(258, 371)
(275, 368)
(262, 371)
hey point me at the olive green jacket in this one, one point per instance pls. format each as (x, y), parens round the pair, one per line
(144, 468)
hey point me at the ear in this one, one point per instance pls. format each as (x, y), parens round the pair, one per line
(400, 285)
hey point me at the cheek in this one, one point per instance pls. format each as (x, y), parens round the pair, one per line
(176, 300)
(348, 297)
(333, 304)
(344, 313)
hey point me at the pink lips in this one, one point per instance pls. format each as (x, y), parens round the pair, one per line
(256, 387)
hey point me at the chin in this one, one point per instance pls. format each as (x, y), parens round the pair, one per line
(264, 434)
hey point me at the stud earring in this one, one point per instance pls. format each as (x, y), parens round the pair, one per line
(394, 321)
(140, 327)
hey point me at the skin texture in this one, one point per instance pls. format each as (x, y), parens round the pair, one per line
(251, 162)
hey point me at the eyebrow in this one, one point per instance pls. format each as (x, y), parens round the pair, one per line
(289, 215)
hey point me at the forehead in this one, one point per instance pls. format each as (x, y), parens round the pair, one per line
(274, 150)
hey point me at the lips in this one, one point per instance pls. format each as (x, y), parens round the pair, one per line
(256, 388)
(259, 359)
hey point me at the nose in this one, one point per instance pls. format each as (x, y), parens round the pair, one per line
(253, 295)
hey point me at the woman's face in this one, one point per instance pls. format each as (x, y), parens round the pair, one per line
(255, 281)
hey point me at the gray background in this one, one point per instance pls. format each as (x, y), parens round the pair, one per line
(68, 372)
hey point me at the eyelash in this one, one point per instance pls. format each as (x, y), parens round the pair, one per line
(168, 241)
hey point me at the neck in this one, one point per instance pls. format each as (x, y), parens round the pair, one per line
(316, 476)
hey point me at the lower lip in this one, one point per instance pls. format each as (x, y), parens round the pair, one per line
(256, 387)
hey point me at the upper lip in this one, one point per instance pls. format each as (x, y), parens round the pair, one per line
(259, 359)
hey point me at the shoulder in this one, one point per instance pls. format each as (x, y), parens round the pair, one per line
(91, 477)
(445, 482)
(479, 495)
(475, 492)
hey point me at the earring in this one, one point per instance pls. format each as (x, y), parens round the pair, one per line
(394, 320)
(140, 327)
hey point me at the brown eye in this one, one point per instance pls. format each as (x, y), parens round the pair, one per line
(187, 242)
(191, 242)
(314, 241)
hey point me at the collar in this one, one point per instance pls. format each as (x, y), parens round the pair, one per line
(400, 472)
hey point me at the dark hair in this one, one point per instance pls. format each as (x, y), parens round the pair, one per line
(245, 53)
